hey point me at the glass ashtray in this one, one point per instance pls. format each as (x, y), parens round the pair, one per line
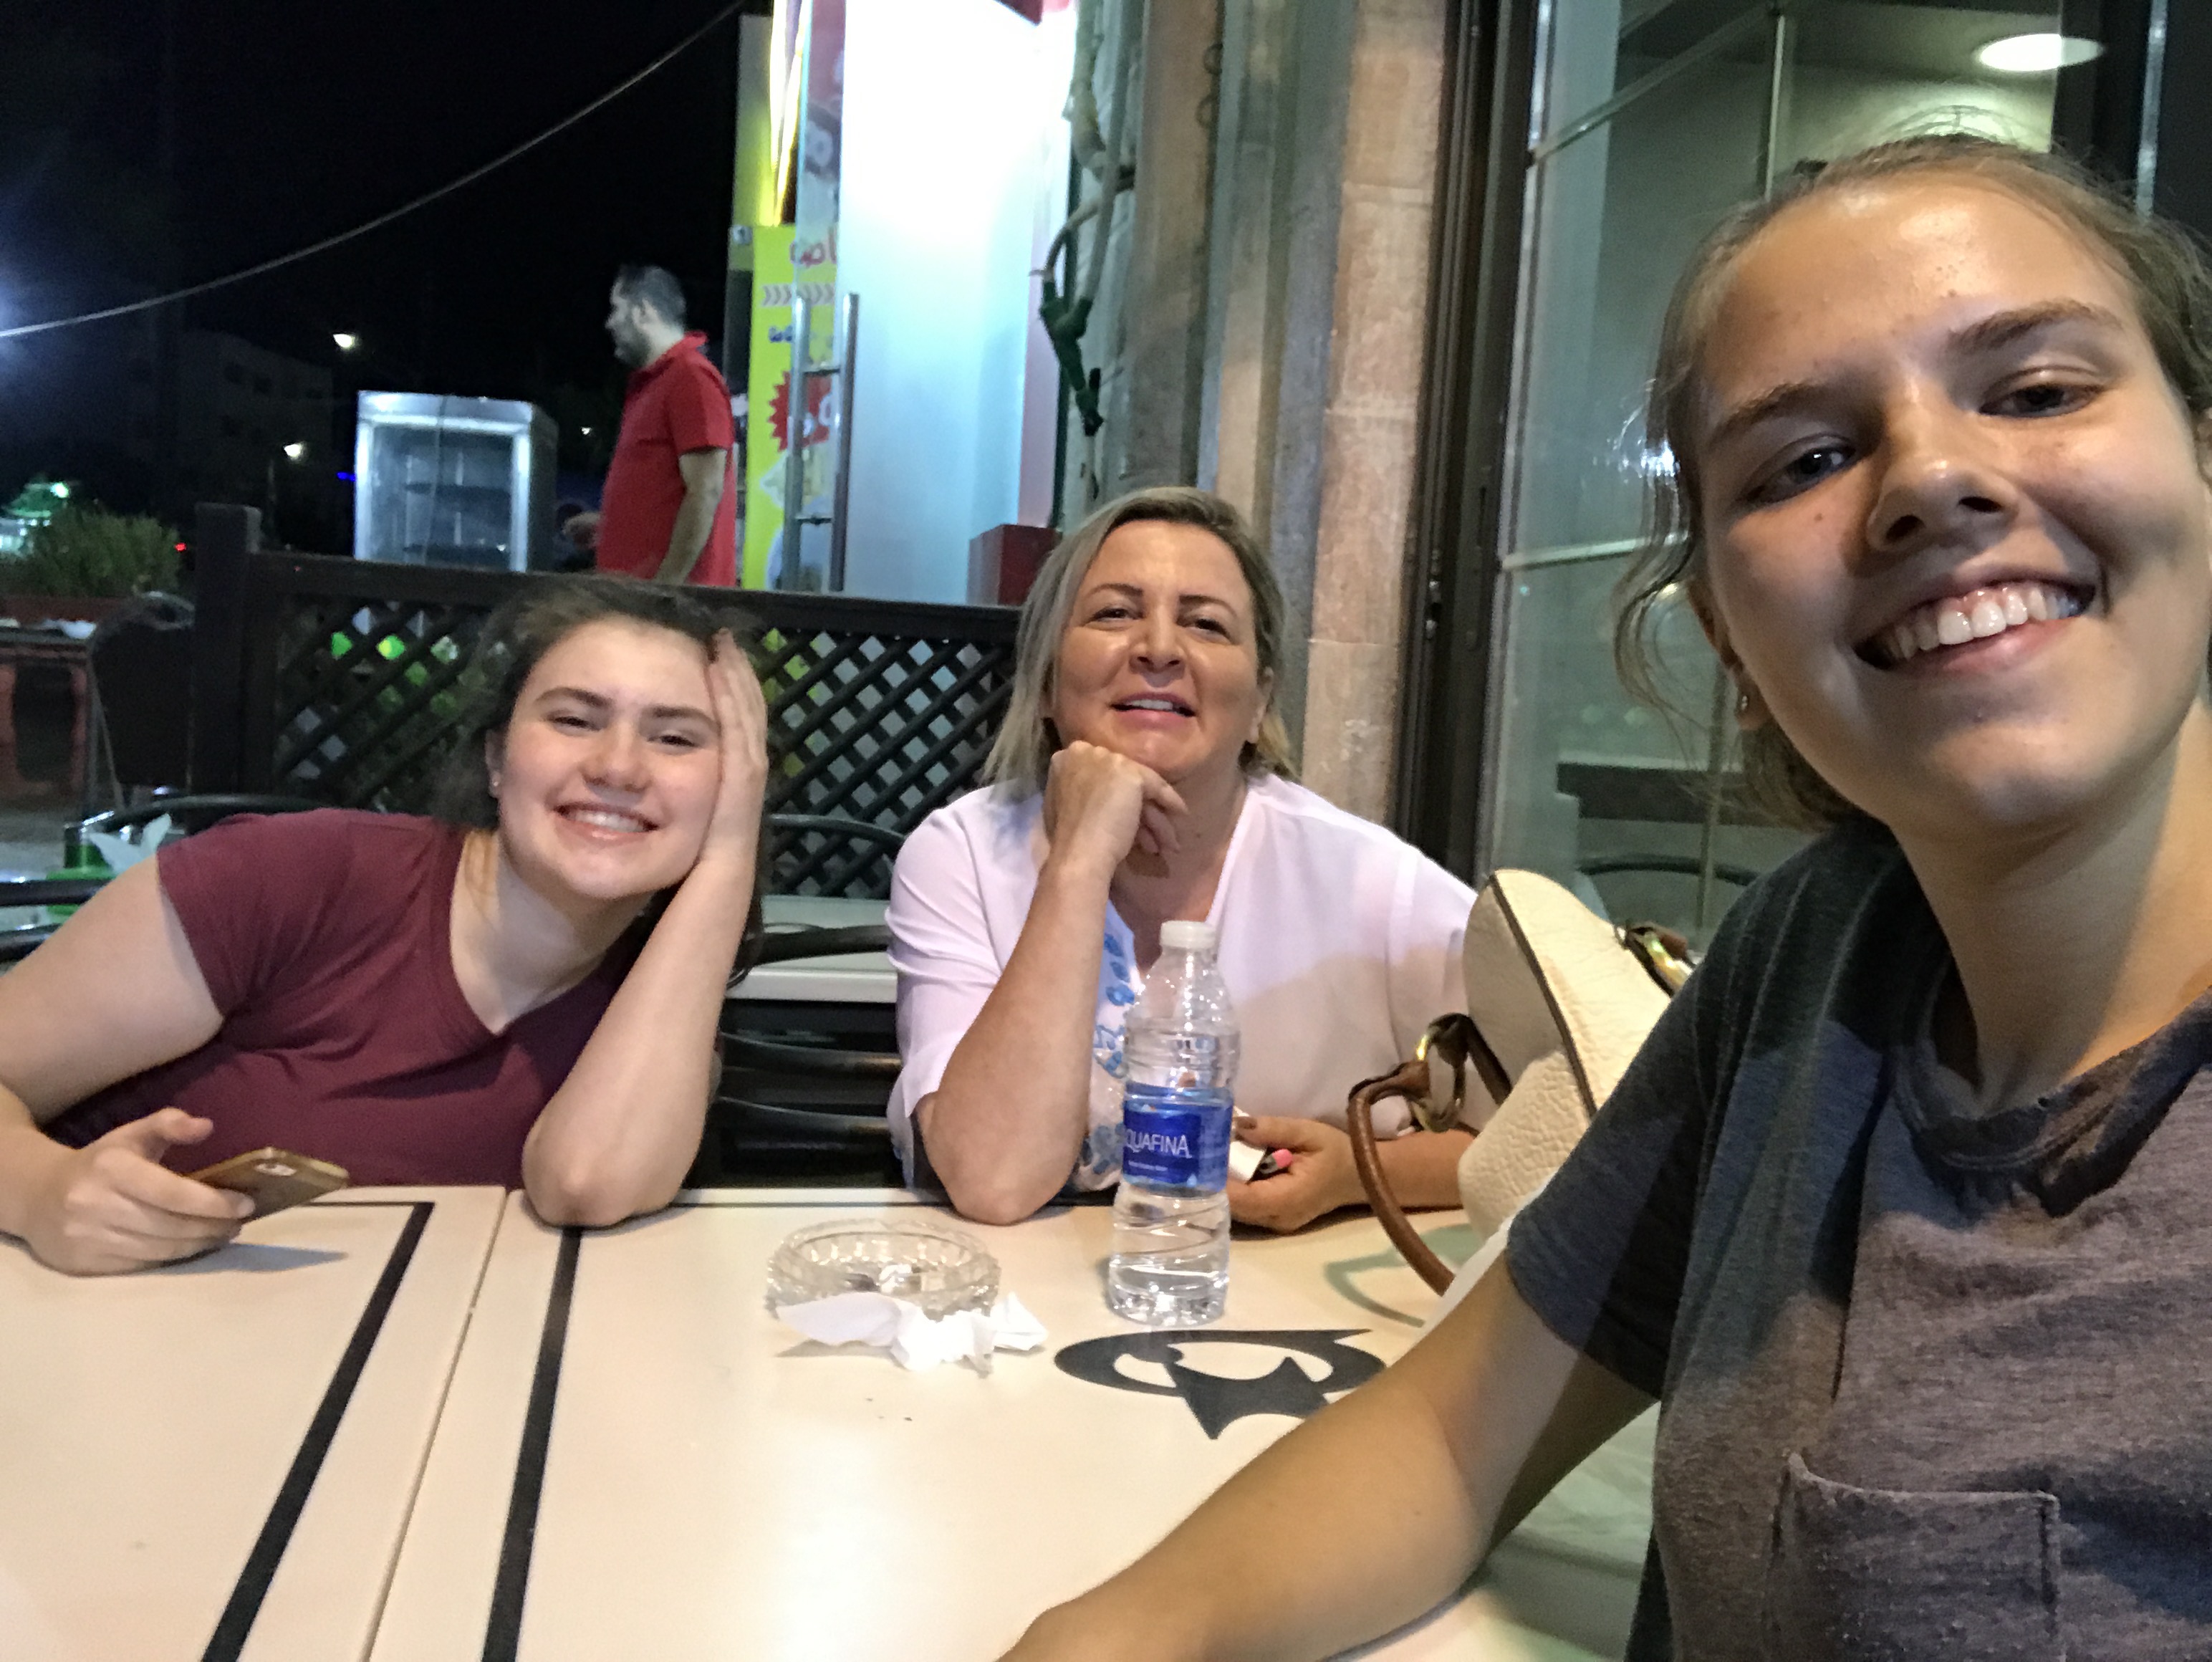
(929, 1264)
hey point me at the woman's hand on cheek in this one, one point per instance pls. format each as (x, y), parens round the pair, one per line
(1321, 1177)
(741, 717)
(1099, 805)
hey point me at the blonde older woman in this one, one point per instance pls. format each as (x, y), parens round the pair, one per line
(1143, 776)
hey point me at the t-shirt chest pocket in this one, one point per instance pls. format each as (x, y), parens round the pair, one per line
(1874, 1574)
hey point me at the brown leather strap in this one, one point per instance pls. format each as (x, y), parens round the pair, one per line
(1410, 1081)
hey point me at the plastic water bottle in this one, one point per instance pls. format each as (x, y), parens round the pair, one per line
(1170, 1262)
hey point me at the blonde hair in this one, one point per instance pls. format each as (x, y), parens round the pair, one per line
(2165, 273)
(1023, 751)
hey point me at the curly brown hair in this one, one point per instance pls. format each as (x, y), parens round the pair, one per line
(2164, 270)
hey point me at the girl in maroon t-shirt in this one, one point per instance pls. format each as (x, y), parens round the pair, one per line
(461, 1000)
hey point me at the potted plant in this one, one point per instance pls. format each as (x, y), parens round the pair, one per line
(84, 561)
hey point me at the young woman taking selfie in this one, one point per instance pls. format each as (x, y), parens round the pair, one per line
(484, 997)
(1900, 1211)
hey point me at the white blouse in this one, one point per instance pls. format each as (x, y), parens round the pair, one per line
(1339, 945)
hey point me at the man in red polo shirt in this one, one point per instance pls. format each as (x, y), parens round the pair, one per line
(669, 510)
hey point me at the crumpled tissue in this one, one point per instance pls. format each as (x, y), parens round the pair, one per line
(917, 1341)
(120, 853)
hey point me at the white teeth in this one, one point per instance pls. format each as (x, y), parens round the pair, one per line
(1168, 704)
(1957, 620)
(606, 819)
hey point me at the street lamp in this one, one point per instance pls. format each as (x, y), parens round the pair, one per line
(345, 342)
(295, 450)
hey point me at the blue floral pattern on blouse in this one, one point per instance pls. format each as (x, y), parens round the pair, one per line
(1100, 1163)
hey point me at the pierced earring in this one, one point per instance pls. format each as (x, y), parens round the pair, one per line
(1742, 701)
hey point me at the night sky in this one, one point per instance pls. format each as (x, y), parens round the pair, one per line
(296, 121)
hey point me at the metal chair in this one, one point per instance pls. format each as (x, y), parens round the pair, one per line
(194, 813)
(1708, 906)
(1674, 865)
(804, 848)
(19, 943)
(830, 1069)
(830, 1121)
(139, 662)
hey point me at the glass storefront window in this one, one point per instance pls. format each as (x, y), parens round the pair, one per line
(1655, 117)
(1604, 52)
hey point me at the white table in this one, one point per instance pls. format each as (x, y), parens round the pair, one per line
(850, 978)
(216, 1460)
(636, 1460)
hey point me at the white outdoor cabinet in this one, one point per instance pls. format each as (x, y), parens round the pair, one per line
(441, 480)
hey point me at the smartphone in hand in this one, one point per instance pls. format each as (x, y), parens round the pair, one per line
(272, 1179)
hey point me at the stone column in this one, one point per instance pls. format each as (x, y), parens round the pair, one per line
(1264, 332)
(1369, 421)
(1324, 178)
(1153, 391)
(1278, 165)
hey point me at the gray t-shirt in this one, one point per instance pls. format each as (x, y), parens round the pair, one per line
(1934, 1382)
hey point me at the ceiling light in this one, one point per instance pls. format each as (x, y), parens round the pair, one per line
(2036, 54)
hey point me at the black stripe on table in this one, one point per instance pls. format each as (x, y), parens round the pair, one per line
(512, 1585)
(712, 1201)
(236, 1622)
(511, 1582)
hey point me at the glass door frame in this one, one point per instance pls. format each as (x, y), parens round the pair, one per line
(1441, 797)
(2108, 115)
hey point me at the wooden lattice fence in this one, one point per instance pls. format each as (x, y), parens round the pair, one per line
(341, 680)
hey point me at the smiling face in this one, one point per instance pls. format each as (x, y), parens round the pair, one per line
(1957, 529)
(607, 774)
(1159, 661)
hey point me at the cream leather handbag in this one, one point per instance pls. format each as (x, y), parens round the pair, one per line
(1559, 1000)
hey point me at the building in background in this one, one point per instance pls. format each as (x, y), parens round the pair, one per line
(914, 159)
(79, 403)
(252, 425)
(1387, 275)
(1098, 245)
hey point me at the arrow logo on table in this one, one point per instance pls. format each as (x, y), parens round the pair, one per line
(1216, 1401)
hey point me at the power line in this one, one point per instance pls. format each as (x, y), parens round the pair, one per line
(384, 219)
